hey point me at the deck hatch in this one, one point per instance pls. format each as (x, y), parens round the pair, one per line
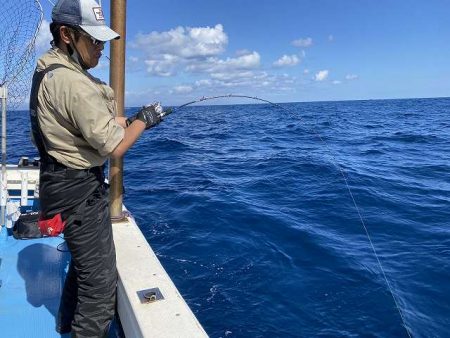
(150, 295)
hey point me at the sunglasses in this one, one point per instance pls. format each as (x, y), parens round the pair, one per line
(94, 41)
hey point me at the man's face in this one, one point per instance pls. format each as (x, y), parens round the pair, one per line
(89, 49)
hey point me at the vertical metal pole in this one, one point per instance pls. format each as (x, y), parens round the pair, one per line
(4, 181)
(117, 82)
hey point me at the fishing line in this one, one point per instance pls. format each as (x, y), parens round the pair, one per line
(335, 163)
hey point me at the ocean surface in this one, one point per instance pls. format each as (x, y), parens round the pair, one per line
(248, 209)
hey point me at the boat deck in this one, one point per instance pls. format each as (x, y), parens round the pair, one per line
(32, 271)
(32, 274)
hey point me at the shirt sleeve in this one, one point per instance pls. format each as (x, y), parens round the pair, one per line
(93, 113)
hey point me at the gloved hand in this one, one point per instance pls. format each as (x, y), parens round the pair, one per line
(150, 115)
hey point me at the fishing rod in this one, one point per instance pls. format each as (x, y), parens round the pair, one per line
(335, 163)
(208, 98)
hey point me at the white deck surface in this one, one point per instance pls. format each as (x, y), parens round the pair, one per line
(139, 269)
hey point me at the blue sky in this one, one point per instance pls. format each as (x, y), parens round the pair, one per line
(283, 51)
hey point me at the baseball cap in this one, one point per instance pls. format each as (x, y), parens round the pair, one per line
(86, 14)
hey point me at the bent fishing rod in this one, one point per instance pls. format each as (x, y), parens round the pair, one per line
(335, 163)
(208, 98)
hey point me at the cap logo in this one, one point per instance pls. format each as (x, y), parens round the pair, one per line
(98, 13)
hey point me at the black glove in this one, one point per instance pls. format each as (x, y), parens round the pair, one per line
(150, 115)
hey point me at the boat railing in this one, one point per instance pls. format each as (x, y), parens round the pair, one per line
(21, 190)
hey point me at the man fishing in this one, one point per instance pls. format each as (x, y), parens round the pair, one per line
(75, 129)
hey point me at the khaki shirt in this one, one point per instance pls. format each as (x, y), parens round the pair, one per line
(76, 114)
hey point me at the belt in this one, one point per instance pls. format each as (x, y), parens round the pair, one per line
(56, 167)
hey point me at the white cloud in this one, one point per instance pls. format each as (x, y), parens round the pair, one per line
(306, 71)
(203, 83)
(183, 89)
(287, 60)
(216, 65)
(192, 50)
(43, 37)
(351, 77)
(166, 66)
(336, 82)
(139, 97)
(135, 64)
(254, 82)
(302, 42)
(196, 55)
(241, 52)
(244, 81)
(321, 75)
(184, 42)
(232, 76)
(246, 61)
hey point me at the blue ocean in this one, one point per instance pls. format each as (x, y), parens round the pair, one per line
(315, 219)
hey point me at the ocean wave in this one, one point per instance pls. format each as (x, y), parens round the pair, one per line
(249, 212)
